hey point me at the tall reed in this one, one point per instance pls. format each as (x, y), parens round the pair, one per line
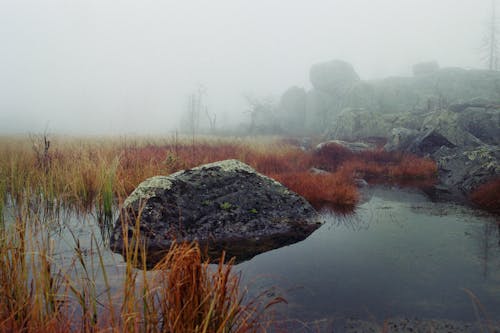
(30, 285)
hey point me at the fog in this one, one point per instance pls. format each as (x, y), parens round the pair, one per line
(122, 66)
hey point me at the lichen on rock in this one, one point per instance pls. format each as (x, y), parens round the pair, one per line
(224, 205)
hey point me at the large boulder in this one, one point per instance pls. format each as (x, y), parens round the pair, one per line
(356, 123)
(482, 121)
(224, 206)
(400, 138)
(334, 77)
(462, 169)
(428, 142)
(446, 124)
(429, 90)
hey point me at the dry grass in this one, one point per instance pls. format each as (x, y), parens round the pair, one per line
(88, 175)
(192, 297)
(91, 175)
(184, 294)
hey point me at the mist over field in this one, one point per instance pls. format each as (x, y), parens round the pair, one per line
(112, 67)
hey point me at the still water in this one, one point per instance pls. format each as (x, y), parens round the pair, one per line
(399, 255)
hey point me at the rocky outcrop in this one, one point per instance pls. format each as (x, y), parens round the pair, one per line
(445, 123)
(464, 141)
(463, 169)
(482, 120)
(357, 124)
(337, 87)
(224, 206)
(400, 138)
(334, 77)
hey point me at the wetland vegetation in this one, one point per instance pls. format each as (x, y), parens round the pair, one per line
(46, 180)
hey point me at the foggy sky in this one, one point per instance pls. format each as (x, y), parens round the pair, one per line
(102, 66)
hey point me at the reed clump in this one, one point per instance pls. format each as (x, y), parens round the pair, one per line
(191, 296)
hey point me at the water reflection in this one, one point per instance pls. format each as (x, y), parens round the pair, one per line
(398, 255)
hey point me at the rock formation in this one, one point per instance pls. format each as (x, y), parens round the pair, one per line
(224, 206)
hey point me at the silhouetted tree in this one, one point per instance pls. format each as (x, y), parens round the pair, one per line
(195, 106)
(262, 114)
(491, 43)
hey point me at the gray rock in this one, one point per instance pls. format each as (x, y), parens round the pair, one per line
(427, 142)
(354, 147)
(424, 93)
(224, 206)
(462, 169)
(354, 124)
(400, 138)
(474, 103)
(482, 122)
(334, 77)
(446, 124)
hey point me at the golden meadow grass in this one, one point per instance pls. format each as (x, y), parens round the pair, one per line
(91, 177)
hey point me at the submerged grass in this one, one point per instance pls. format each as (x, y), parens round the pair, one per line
(184, 294)
(181, 294)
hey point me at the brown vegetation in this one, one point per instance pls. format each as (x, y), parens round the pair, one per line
(93, 176)
(88, 174)
(487, 196)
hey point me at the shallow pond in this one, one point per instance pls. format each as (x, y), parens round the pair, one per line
(398, 255)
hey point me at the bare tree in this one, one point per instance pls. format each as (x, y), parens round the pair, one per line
(262, 114)
(193, 110)
(491, 42)
(211, 120)
(196, 110)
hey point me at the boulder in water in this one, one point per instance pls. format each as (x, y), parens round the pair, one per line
(224, 206)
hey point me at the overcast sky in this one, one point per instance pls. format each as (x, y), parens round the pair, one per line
(116, 66)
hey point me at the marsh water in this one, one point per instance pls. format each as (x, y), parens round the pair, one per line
(397, 255)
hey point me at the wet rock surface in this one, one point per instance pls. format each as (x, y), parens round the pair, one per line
(463, 169)
(224, 206)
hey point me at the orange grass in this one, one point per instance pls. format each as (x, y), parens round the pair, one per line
(192, 297)
(183, 294)
(487, 196)
(333, 190)
(84, 173)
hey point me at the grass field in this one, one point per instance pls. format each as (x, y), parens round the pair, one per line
(42, 177)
